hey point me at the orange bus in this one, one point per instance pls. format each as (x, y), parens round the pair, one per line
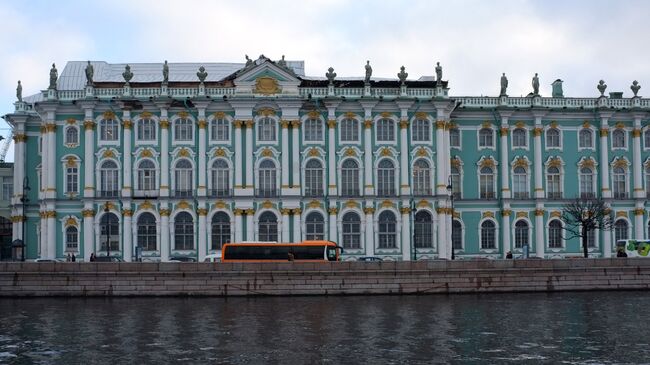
(306, 251)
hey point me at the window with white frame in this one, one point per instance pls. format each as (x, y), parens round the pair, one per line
(146, 175)
(586, 138)
(553, 185)
(313, 130)
(455, 182)
(183, 178)
(315, 226)
(71, 239)
(456, 235)
(146, 130)
(488, 235)
(183, 231)
(385, 178)
(454, 137)
(7, 188)
(519, 138)
(520, 183)
(268, 227)
(351, 225)
(109, 229)
(146, 232)
(71, 135)
(108, 130)
(220, 230)
(266, 129)
(314, 178)
(587, 186)
(618, 138)
(421, 130)
(555, 234)
(349, 178)
(646, 138)
(486, 183)
(183, 129)
(423, 230)
(108, 179)
(591, 238)
(387, 230)
(349, 129)
(219, 130)
(521, 233)
(619, 182)
(267, 178)
(385, 130)
(486, 138)
(220, 176)
(71, 179)
(621, 230)
(421, 178)
(552, 138)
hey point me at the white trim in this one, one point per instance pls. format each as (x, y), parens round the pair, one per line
(276, 120)
(229, 120)
(547, 244)
(156, 130)
(360, 127)
(100, 141)
(496, 236)
(67, 143)
(172, 124)
(592, 130)
(513, 230)
(548, 128)
(134, 231)
(303, 130)
(525, 147)
(428, 142)
(396, 129)
(172, 239)
(478, 139)
(626, 141)
(398, 232)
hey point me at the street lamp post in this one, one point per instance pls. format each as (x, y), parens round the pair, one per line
(450, 189)
(108, 230)
(24, 200)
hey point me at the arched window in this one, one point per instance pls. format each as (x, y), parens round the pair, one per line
(349, 130)
(267, 176)
(555, 234)
(71, 180)
(351, 235)
(183, 231)
(647, 182)
(519, 138)
(108, 130)
(455, 182)
(313, 130)
(183, 178)
(385, 130)
(109, 231)
(220, 178)
(146, 130)
(183, 129)
(219, 129)
(521, 234)
(454, 137)
(108, 179)
(421, 178)
(620, 183)
(349, 178)
(315, 226)
(488, 235)
(587, 183)
(553, 186)
(621, 230)
(552, 138)
(486, 181)
(591, 238)
(220, 230)
(385, 178)
(646, 138)
(71, 135)
(146, 175)
(146, 232)
(266, 129)
(268, 227)
(486, 137)
(423, 229)
(314, 178)
(618, 138)
(422, 130)
(586, 138)
(71, 239)
(456, 235)
(520, 183)
(387, 230)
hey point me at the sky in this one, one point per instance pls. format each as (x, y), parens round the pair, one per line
(579, 42)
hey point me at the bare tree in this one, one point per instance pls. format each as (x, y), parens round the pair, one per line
(584, 215)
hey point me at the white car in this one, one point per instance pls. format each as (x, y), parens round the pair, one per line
(215, 257)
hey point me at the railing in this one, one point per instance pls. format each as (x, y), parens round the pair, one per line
(422, 192)
(314, 193)
(487, 195)
(620, 195)
(182, 193)
(220, 193)
(108, 193)
(350, 193)
(267, 193)
(386, 193)
(554, 195)
(587, 195)
(520, 195)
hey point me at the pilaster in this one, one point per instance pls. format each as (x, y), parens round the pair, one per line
(505, 230)
(537, 165)
(239, 225)
(285, 224)
(406, 234)
(637, 165)
(331, 147)
(539, 231)
(370, 231)
(202, 125)
(367, 146)
(505, 181)
(295, 158)
(443, 241)
(126, 175)
(332, 212)
(127, 231)
(237, 124)
(405, 189)
(164, 232)
(604, 154)
(297, 224)
(202, 212)
(164, 160)
(89, 230)
(89, 155)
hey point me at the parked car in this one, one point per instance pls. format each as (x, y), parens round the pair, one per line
(182, 259)
(108, 259)
(48, 260)
(370, 259)
(215, 257)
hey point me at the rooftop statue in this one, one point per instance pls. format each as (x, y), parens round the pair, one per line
(402, 75)
(331, 75)
(165, 73)
(90, 72)
(202, 74)
(504, 85)
(635, 87)
(438, 72)
(282, 62)
(127, 74)
(535, 84)
(19, 91)
(249, 62)
(368, 72)
(602, 86)
(54, 74)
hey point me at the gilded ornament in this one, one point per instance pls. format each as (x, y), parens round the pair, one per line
(488, 214)
(70, 222)
(422, 152)
(127, 123)
(313, 114)
(385, 152)
(554, 124)
(108, 154)
(555, 162)
(503, 132)
(50, 214)
(266, 86)
(331, 123)
(423, 204)
(367, 124)
(369, 210)
(51, 127)
(183, 114)
(249, 123)
(146, 205)
(620, 162)
(506, 212)
(455, 214)
(385, 114)
(333, 211)
(71, 161)
(237, 124)
(127, 212)
(404, 124)
(350, 115)
(219, 115)
(267, 204)
(405, 210)
(520, 124)
(87, 213)
(587, 163)
(266, 152)
(296, 211)
(313, 152)
(183, 205)
(108, 115)
(440, 124)
(202, 123)
(70, 121)
(586, 124)
(522, 214)
(604, 132)
(421, 115)
(555, 214)
(295, 124)
(146, 153)
(285, 123)
(455, 162)
(314, 204)
(537, 132)
(164, 123)
(350, 152)
(238, 211)
(620, 125)
(486, 124)
(521, 162)
(285, 211)
(144, 115)
(621, 214)
(184, 152)
(487, 162)
(539, 212)
(636, 132)
(21, 137)
(351, 204)
(387, 204)
(202, 212)
(220, 204)
(220, 152)
(164, 212)
(249, 211)
(639, 211)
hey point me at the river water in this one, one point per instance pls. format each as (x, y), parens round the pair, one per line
(569, 328)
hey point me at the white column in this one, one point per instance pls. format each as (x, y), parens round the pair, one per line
(331, 155)
(295, 154)
(638, 221)
(201, 191)
(607, 244)
(367, 156)
(332, 229)
(539, 232)
(51, 233)
(249, 155)
(406, 235)
(285, 155)
(285, 225)
(164, 161)
(370, 231)
(637, 166)
(44, 237)
(505, 231)
(441, 155)
(537, 164)
(443, 243)
(126, 156)
(237, 124)
(89, 156)
(505, 186)
(404, 156)
(50, 155)
(203, 245)
(127, 233)
(239, 225)
(164, 234)
(297, 225)
(89, 232)
(604, 158)
(250, 225)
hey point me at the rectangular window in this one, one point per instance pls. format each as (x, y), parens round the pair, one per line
(7, 189)
(349, 130)
(313, 130)
(72, 180)
(219, 130)
(146, 130)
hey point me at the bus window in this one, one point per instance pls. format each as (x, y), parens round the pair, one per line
(331, 254)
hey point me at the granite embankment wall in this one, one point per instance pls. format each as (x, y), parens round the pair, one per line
(343, 278)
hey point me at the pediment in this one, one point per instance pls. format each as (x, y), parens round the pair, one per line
(265, 77)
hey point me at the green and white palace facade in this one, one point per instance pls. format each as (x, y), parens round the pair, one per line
(175, 160)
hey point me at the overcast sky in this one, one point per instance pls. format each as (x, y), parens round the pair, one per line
(579, 42)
